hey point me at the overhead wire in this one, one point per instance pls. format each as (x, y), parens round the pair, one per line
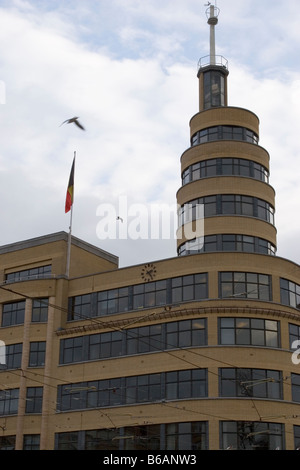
(125, 329)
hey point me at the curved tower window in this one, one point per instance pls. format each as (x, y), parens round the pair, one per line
(227, 204)
(212, 134)
(221, 243)
(225, 167)
(214, 89)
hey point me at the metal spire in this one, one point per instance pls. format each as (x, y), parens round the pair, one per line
(212, 14)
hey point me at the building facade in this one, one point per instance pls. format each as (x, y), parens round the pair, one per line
(197, 352)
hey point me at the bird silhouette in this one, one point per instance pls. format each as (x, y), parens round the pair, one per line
(75, 121)
(120, 218)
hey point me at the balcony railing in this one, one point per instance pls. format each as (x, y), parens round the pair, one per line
(220, 61)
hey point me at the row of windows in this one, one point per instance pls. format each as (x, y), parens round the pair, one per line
(41, 272)
(30, 442)
(185, 384)
(153, 338)
(215, 133)
(226, 204)
(158, 293)
(9, 401)
(152, 388)
(239, 243)
(13, 355)
(151, 294)
(173, 335)
(176, 385)
(234, 435)
(13, 313)
(169, 291)
(225, 167)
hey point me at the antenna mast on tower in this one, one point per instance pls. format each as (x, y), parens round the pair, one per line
(212, 69)
(212, 14)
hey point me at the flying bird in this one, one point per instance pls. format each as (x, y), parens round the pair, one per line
(75, 120)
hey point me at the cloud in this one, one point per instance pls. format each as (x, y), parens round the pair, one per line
(129, 73)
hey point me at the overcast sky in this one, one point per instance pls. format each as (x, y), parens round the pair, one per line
(128, 69)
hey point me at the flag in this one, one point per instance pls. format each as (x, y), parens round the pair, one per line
(70, 190)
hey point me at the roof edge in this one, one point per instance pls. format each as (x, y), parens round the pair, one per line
(56, 237)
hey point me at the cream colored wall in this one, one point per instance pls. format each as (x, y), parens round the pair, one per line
(212, 409)
(226, 185)
(225, 116)
(222, 149)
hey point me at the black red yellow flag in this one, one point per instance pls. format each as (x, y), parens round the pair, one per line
(70, 190)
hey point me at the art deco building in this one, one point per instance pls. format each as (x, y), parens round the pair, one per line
(188, 353)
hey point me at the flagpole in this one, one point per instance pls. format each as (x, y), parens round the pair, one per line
(69, 244)
(70, 236)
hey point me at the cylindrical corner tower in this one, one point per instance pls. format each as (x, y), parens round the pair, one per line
(225, 173)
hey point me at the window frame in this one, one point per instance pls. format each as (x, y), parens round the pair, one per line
(245, 285)
(246, 332)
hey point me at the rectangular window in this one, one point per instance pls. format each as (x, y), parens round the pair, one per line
(256, 383)
(80, 307)
(186, 333)
(113, 301)
(144, 339)
(9, 401)
(245, 285)
(296, 387)
(186, 384)
(72, 350)
(196, 172)
(102, 439)
(13, 313)
(40, 272)
(13, 355)
(294, 334)
(228, 205)
(37, 354)
(187, 288)
(143, 388)
(245, 435)
(105, 345)
(31, 442)
(67, 440)
(289, 293)
(249, 331)
(150, 294)
(40, 310)
(142, 437)
(100, 393)
(186, 436)
(7, 442)
(203, 136)
(228, 242)
(210, 205)
(34, 400)
(195, 139)
(297, 437)
(247, 206)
